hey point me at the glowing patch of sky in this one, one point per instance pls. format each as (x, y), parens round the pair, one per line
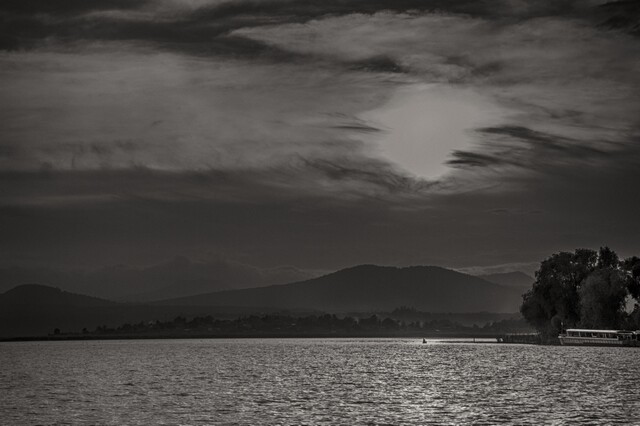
(424, 123)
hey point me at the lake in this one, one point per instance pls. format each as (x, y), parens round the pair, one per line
(315, 381)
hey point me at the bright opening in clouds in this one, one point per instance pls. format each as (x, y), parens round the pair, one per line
(423, 124)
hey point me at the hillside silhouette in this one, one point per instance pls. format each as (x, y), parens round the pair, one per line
(42, 296)
(369, 288)
(511, 279)
(33, 309)
(38, 310)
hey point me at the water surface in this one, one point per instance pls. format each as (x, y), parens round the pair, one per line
(315, 381)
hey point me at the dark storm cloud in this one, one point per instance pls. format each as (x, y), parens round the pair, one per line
(313, 178)
(378, 64)
(623, 15)
(521, 142)
(185, 35)
(302, 10)
(474, 159)
(203, 29)
(26, 22)
(66, 7)
(377, 175)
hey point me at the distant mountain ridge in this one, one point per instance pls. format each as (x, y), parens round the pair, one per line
(34, 309)
(511, 279)
(369, 288)
(37, 310)
(177, 277)
(42, 295)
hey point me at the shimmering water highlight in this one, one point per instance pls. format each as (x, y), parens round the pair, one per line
(315, 381)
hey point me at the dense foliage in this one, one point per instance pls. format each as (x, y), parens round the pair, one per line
(586, 288)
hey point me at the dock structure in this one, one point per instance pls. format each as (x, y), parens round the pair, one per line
(528, 338)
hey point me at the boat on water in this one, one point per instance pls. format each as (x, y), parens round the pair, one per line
(588, 337)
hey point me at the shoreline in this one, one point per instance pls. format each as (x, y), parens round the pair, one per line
(470, 338)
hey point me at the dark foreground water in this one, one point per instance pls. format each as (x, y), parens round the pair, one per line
(315, 381)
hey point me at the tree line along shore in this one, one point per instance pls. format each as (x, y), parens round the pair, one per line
(584, 289)
(581, 289)
(282, 325)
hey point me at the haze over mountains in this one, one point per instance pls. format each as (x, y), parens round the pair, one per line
(28, 296)
(33, 309)
(37, 309)
(177, 277)
(370, 288)
(511, 279)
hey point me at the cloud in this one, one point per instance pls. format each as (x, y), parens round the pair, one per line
(553, 76)
(265, 130)
(104, 108)
(202, 25)
(66, 7)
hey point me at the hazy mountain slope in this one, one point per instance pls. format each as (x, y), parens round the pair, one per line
(511, 279)
(45, 296)
(33, 309)
(177, 277)
(36, 310)
(370, 288)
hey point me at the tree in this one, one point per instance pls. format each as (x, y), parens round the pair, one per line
(602, 299)
(633, 319)
(554, 300)
(584, 288)
(631, 267)
(607, 258)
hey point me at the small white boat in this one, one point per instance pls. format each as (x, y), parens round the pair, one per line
(589, 337)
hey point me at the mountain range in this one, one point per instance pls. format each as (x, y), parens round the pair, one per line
(369, 288)
(175, 277)
(511, 279)
(38, 309)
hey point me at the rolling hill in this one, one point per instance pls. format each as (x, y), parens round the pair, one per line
(43, 297)
(511, 279)
(32, 309)
(368, 288)
(37, 310)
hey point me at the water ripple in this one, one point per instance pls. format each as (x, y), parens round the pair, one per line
(315, 381)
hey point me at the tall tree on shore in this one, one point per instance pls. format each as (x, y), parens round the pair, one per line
(602, 299)
(554, 300)
(584, 288)
(631, 267)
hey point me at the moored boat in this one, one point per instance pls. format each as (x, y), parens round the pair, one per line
(589, 337)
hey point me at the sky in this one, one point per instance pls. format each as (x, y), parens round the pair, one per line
(308, 136)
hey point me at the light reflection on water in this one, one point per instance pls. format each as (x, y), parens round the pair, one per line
(315, 381)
